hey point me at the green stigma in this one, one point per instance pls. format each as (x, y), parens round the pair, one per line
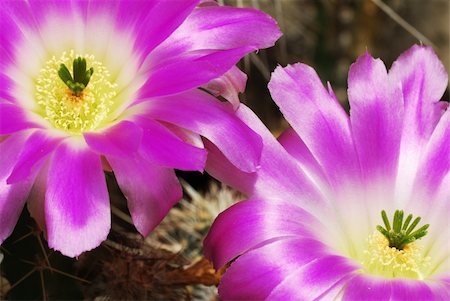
(401, 233)
(81, 76)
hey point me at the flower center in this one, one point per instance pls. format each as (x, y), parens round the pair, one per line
(392, 252)
(79, 103)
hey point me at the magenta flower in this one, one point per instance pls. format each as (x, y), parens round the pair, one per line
(329, 214)
(93, 85)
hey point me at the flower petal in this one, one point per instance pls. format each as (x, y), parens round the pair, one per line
(423, 79)
(36, 199)
(180, 73)
(318, 119)
(279, 177)
(12, 196)
(294, 145)
(153, 21)
(250, 223)
(36, 149)
(256, 273)
(363, 287)
(435, 163)
(151, 190)
(229, 85)
(317, 277)
(376, 114)
(77, 210)
(201, 113)
(162, 146)
(13, 119)
(118, 140)
(236, 27)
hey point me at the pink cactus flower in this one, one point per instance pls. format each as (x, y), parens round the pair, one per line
(344, 207)
(92, 85)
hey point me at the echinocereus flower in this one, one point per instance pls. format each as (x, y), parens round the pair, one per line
(353, 208)
(93, 85)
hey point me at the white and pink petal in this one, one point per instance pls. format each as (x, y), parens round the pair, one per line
(76, 200)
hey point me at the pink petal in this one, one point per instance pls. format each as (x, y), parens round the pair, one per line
(6, 88)
(36, 199)
(279, 177)
(314, 279)
(12, 196)
(181, 73)
(149, 22)
(211, 39)
(229, 86)
(151, 190)
(318, 119)
(364, 287)
(164, 148)
(36, 149)
(376, 114)
(423, 80)
(13, 119)
(256, 273)
(201, 113)
(119, 140)
(297, 148)
(153, 21)
(77, 210)
(250, 223)
(236, 27)
(435, 163)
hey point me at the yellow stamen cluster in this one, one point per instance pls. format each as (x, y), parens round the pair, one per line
(65, 110)
(380, 259)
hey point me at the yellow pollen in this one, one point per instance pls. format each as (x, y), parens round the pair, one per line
(66, 111)
(382, 260)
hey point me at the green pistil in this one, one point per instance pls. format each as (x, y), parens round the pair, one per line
(401, 232)
(81, 76)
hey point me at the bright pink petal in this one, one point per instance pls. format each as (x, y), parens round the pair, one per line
(36, 199)
(376, 114)
(236, 27)
(148, 22)
(365, 287)
(315, 279)
(13, 119)
(423, 79)
(248, 224)
(435, 165)
(297, 148)
(201, 113)
(181, 73)
(6, 88)
(151, 190)
(212, 39)
(152, 21)
(36, 149)
(229, 85)
(279, 177)
(318, 119)
(256, 273)
(77, 210)
(219, 28)
(118, 140)
(12, 196)
(162, 146)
